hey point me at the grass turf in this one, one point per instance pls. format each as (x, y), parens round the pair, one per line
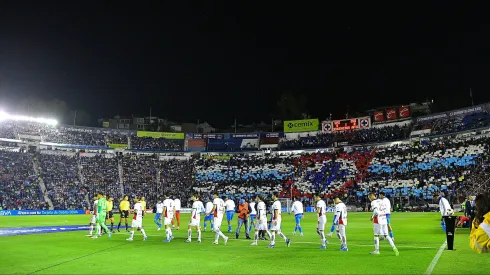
(418, 238)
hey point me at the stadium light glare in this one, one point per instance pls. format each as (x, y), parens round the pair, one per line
(5, 116)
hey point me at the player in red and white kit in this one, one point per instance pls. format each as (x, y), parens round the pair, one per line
(168, 215)
(276, 222)
(261, 221)
(137, 220)
(218, 212)
(321, 210)
(93, 219)
(340, 221)
(197, 208)
(380, 226)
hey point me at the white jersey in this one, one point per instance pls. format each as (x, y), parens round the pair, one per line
(159, 208)
(321, 209)
(230, 205)
(96, 204)
(276, 206)
(177, 204)
(297, 208)
(209, 207)
(251, 206)
(197, 208)
(220, 207)
(138, 212)
(387, 204)
(341, 213)
(444, 206)
(380, 214)
(261, 210)
(169, 208)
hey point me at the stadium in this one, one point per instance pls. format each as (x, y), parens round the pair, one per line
(51, 173)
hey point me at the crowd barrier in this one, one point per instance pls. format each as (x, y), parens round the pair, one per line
(40, 212)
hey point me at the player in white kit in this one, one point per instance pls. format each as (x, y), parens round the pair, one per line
(168, 215)
(197, 208)
(93, 219)
(380, 226)
(218, 212)
(321, 210)
(261, 222)
(387, 203)
(137, 220)
(297, 209)
(276, 222)
(158, 215)
(340, 221)
(210, 217)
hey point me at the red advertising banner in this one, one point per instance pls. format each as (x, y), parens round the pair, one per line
(391, 114)
(379, 116)
(404, 111)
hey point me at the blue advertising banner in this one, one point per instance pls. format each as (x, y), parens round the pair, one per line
(271, 135)
(245, 135)
(40, 212)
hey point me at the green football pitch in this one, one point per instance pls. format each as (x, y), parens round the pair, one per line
(418, 236)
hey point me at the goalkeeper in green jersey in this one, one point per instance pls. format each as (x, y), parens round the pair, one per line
(101, 212)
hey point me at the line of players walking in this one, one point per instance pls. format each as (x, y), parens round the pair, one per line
(249, 214)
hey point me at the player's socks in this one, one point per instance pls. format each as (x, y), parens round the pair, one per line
(189, 234)
(105, 227)
(126, 226)
(273, 238)
(391, 234)
(229, 228)
(300, 229)
(216, 237)
(344, 240)
(205, 225)
(221, 234)
(143, 232)
(168, 232)
(322, 236)
(391, 242)
(339, 236)
(112, 226)
(118, 225)
(376, 243)
(91, 229)
(99, 230)
(256, 236)
(268, 233)
(132, 234)
(282, 236)
(199, 235)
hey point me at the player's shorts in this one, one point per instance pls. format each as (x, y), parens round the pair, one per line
(93, 219)
(380, 229)
(136, 223)
(217, 222)
(262, 225)
(388, 216)
(298, 218)
(229, 215)
(195, 222)
(277, 226)
(209, 217)
(110, 215)
(101, 217)
(167, 221)
(157, 216)
(321, 223)
(124, 214)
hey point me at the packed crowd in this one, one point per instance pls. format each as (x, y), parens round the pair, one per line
(455, 123)
(19, 188)
(159, 144)
(60, 176)
(362, 136)
(101, 173)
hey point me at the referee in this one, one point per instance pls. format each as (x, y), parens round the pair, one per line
(124, 211)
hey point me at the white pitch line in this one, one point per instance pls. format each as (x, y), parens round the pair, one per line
(436, 259)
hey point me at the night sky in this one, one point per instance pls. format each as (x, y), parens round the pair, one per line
(218, 62)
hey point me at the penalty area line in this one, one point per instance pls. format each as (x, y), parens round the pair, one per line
(436, 259)
(77, 258)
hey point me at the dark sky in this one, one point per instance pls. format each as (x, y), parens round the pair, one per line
(223, 61)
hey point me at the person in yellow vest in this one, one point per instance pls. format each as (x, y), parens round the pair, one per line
(480, 231)
(143, 205)
(110, 214)
(124, 211)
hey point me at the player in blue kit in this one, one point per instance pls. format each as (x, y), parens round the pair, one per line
(210, 217)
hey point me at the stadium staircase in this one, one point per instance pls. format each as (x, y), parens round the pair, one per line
(121, 177)
(82, 180)
(42, 186)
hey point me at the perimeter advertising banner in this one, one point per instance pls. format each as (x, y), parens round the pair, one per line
(118, 145)
(40, 212)
(165, 135)
(304, 125)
